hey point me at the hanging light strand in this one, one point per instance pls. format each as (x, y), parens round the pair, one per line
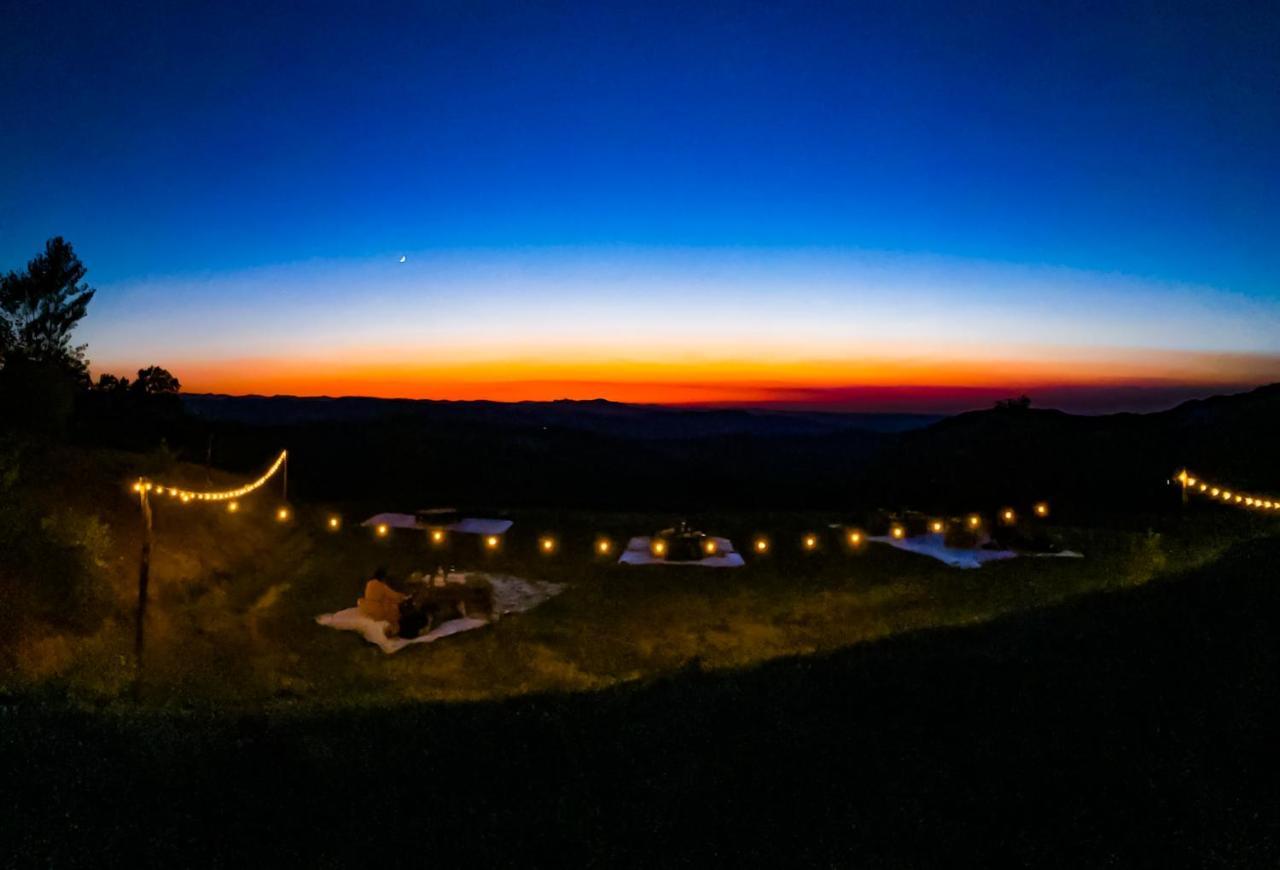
(188, 495)
(1222, 495)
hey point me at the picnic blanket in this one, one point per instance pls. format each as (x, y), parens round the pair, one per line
(934, 546)
(510, 595)
(638, 553)
(466, 526)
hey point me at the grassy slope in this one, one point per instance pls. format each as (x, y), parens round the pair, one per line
(234, 598)
(1127, 729)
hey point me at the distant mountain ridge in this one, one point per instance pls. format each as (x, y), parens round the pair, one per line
(593, 415)
(1020, 453)
(407, 453)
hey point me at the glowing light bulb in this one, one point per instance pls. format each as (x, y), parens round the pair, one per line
(282, 514)
(437, 535)
(1042, 509)
(710, 548)
(974, 521)
(659, 548)
(898, 532)
(602, 546)
(855, 538)
(233, 506)
(762, 545)
(1226, 495)
(1190, 481)
(548, 545)
(1203, 487)
(382, 529)
(1006, 515)
(935, 526)
(810, 541)
(334, 522)
(1214, 492)
(137, 487)
(491, 542)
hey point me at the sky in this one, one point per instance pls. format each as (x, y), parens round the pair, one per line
(903, 206)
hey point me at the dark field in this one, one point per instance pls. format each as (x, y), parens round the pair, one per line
(1127, 728)
(846, 706)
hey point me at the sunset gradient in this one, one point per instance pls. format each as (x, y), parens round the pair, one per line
(921, 206)
(785, 329)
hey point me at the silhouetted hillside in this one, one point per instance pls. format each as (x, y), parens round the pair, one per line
(1116, 460)
(607, 455)
(597, 415)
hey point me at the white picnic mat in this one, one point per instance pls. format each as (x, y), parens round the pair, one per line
(375, 630)
(466, 526)
(510, 595)
(638, 553)
(934, 546)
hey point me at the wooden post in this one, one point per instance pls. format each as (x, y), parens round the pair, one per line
(144, 577)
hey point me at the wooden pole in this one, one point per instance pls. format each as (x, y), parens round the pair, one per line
(144, 577)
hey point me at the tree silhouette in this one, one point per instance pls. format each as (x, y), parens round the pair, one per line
(1021, 403)
(111, 384)
(155, 381)
(41, 306)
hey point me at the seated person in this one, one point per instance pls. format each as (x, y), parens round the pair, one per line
(382, 603)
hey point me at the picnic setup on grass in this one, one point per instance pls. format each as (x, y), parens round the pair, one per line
(440, 601)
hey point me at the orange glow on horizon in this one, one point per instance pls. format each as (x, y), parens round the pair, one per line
(940, 374)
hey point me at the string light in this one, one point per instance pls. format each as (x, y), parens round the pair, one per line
(282, 514)
(935, 526)
(1226, 496)
(974, 521)
(547, 544)
(383, 530)
(898, 532)
(491, 542)
(855, 538)
(810, 542)
(603, 546)
(233, 506)
(334, 523)
(187, 495)
(437, 536)
(1042, 509)
(1007, 515)
(762, 545)
(659, 548)
(710, 548)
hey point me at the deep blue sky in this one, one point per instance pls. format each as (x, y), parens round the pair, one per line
(1140, 139)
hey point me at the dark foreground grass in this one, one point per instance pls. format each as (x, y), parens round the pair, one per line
(1129, 728)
